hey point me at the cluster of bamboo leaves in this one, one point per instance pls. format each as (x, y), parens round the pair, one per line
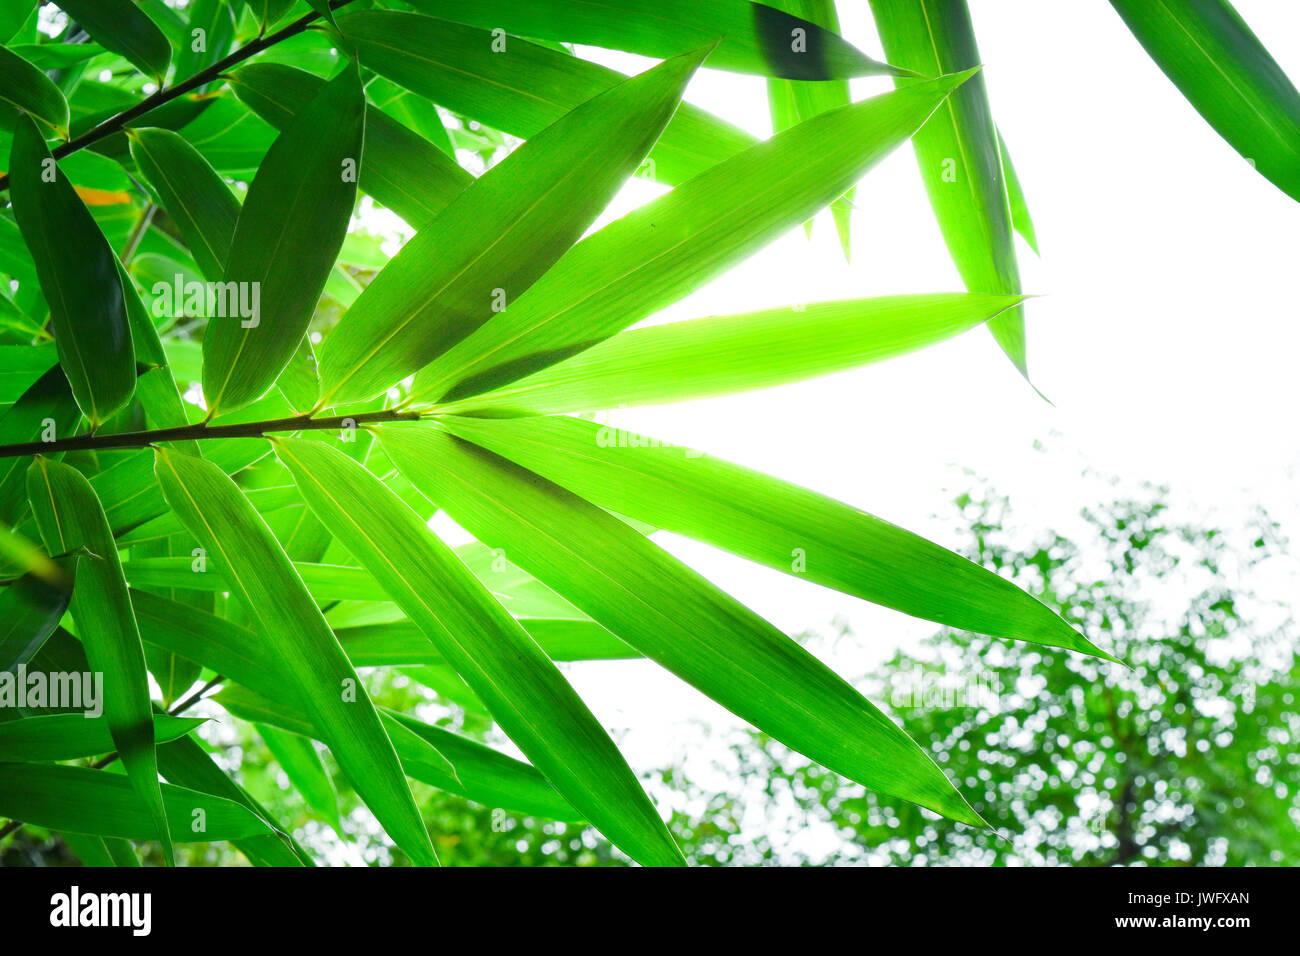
(201, 499)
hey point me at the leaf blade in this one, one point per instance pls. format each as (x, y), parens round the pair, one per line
(525, 692)
(1208, 52)
(288, 236)
(262, 578)
(671, 614)
(500, 235)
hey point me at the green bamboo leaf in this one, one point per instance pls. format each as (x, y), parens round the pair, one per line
(263, 581)
(289, 233)
(30, 610)
(480, 773)
(70, 736)
(70, 517)
(793, 101)
(772, 522)
(403, 170)
(81, 800)
(301, 763)
(96, 851)
(1019, 206)
(45, 411)
(198, 51)
(1211, 55)
(323, 8)
(324, 582)
(671, 614)
(957, 151)
(722, 355)
(79, 276)
(268, 12)
(403, 643)
(13, 14)
(503, 232)
(20, 367)
(185, 763)
(19, 556)
(660, 252)
(124, 28)
(525, 90)
(199, 201)
(25, 88)
(525, 692)
(757, 38)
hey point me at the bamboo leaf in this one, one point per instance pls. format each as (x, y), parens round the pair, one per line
(124, 28)
(30, 610)
(524, 691)
(185, 763)
(480, 773)
(771, 522)
(793, 101)
(288, 236)
(957, 151)
(198, 200)
(757, 38)
(402, 170)
(503, 232)
(525, 89)
(79, 276)
(264, 582)
(20, 367)
(216, 18)
(665, 249)
(26, 89)
(81, 800)
(300, 762)
(45, 411)
(70, 517)
(1019, 206)
(70, 736)
(1211, 55)
(722, 355)
(19, 556)
(670, 614)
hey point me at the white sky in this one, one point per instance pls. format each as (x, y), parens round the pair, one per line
(1166, 337)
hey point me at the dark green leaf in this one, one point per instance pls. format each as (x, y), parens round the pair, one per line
(124, 28)
(79, 276)
(198, 200)
(1211, 55)
(70, 517)
(81, 800)
(24, 87)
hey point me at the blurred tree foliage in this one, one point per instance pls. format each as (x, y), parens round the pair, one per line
(1192, 757)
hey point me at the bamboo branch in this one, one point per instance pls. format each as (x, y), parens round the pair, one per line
(203, 431)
